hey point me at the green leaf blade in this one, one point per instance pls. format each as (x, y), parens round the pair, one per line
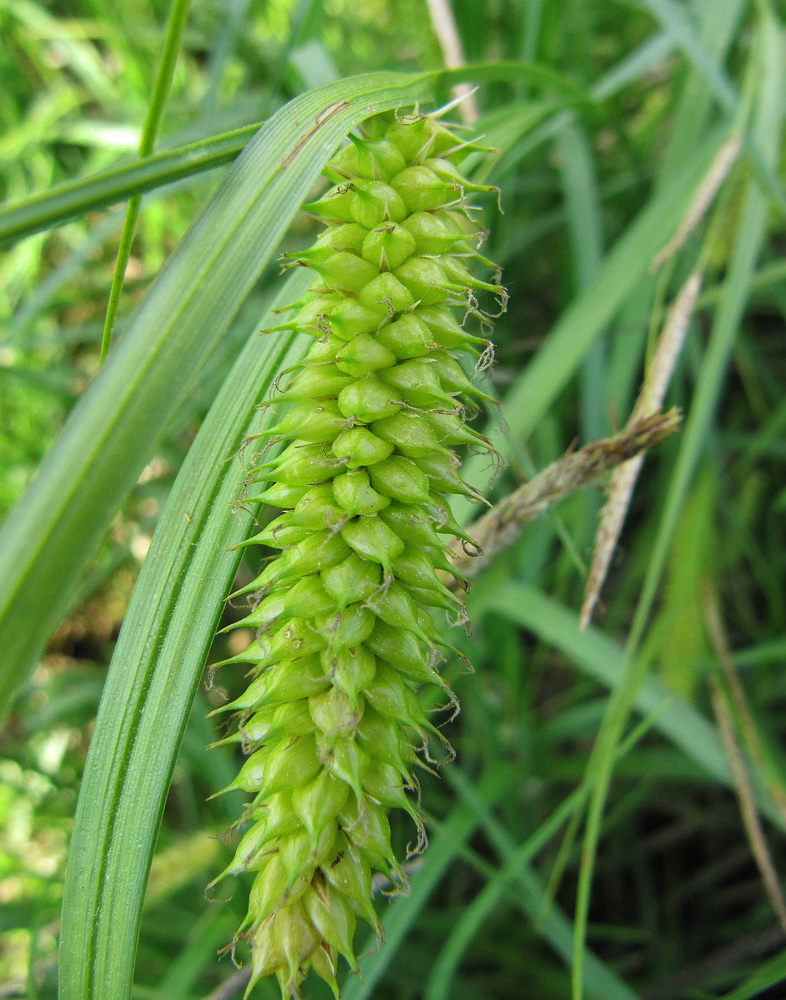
(151, 685)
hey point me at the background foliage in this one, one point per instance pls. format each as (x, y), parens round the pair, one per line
(601, 147)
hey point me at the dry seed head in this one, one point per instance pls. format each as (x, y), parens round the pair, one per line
(331, 722)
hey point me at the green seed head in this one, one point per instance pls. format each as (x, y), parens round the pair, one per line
(331, 722)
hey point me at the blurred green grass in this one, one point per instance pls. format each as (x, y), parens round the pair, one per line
(678, 909)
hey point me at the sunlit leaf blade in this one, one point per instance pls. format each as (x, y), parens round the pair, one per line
(89, 194)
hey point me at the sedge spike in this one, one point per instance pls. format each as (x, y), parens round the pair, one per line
(331, 723)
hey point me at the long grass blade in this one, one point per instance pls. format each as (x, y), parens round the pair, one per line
(152, 681)
(532, 899)
(675, 22)
(107, 187)
(515, 861)
(603, 660)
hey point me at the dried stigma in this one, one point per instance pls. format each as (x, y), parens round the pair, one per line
(331, 721)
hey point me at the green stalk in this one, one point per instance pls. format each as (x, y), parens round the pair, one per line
(176, 22)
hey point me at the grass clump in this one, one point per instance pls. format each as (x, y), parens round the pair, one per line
(612, 827)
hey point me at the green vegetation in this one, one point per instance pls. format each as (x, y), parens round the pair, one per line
(613, 826)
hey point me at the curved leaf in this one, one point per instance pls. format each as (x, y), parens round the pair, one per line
(152, 680)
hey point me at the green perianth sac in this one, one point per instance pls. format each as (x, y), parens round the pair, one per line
(331, 722)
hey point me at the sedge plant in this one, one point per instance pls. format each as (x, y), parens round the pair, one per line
(331, 722)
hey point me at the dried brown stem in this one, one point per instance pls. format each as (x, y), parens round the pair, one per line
(726, 725)
(705, 194)
(444, 25)
(747, 801)
(720, 645)
(620, 488)
(503, 525)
